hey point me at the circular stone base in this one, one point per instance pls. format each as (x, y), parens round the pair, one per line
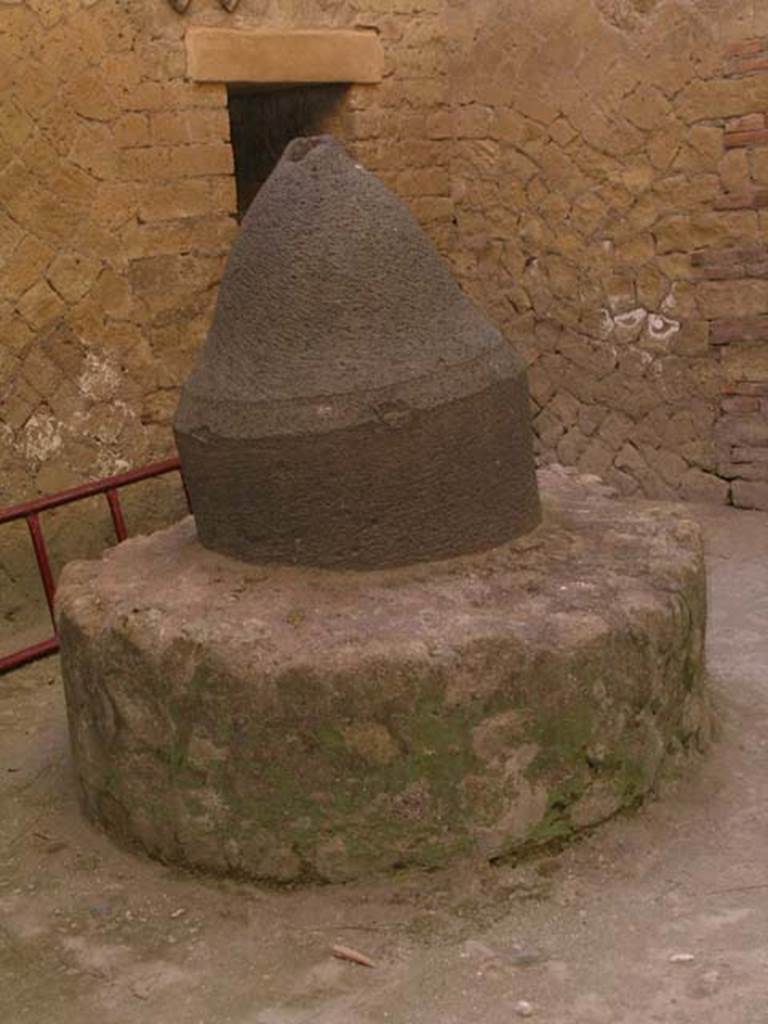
(295, 724)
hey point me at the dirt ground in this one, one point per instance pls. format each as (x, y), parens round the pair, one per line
(659, 916)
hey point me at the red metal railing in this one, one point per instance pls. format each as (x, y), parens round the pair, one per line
(30, 511)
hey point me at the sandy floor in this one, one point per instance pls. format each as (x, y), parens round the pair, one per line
(661, 916)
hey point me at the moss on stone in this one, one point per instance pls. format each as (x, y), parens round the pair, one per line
(376, 739)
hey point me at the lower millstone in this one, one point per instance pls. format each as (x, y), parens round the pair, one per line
(297, 725)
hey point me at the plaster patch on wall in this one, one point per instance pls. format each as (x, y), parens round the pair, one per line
(652, 331)
(40, 437)
(661, 328)
(99, 380)
(109, 463)
(625, 14)
(105, 422)
(669, 302)
(628, 325)
(43, 436)
(605, 325)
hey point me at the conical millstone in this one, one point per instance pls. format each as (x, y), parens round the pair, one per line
(351, 406)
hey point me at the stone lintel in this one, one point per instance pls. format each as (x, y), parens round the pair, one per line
(237, 55)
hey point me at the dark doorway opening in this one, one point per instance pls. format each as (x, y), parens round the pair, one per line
(263, 122)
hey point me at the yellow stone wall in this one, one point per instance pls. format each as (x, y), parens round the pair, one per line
(591, 161)
(573, 159)
(116, 204)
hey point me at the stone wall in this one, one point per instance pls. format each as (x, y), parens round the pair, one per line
(609, 173)
(595, 170)
(117, 199)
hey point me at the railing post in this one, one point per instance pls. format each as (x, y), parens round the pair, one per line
(38, 543)
(30, 510)
(113, 498)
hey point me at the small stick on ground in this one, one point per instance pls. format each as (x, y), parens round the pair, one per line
(345, 953)
(737, 888)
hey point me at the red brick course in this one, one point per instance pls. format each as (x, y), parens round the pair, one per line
(748, 328)
(741, 430)
(722, 264)
(756, 199)
(747, 58)
(740, 403)
(746, 123)
(755, 137)
(747, 388)
(748, 48)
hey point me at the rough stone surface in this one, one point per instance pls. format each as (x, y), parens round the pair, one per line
(293, 724)
(351, 406)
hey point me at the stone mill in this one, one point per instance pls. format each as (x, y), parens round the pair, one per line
(369, 648)
(352, 407)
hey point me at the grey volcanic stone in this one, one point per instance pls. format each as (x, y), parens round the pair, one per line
(301, 724)
(351, 406)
